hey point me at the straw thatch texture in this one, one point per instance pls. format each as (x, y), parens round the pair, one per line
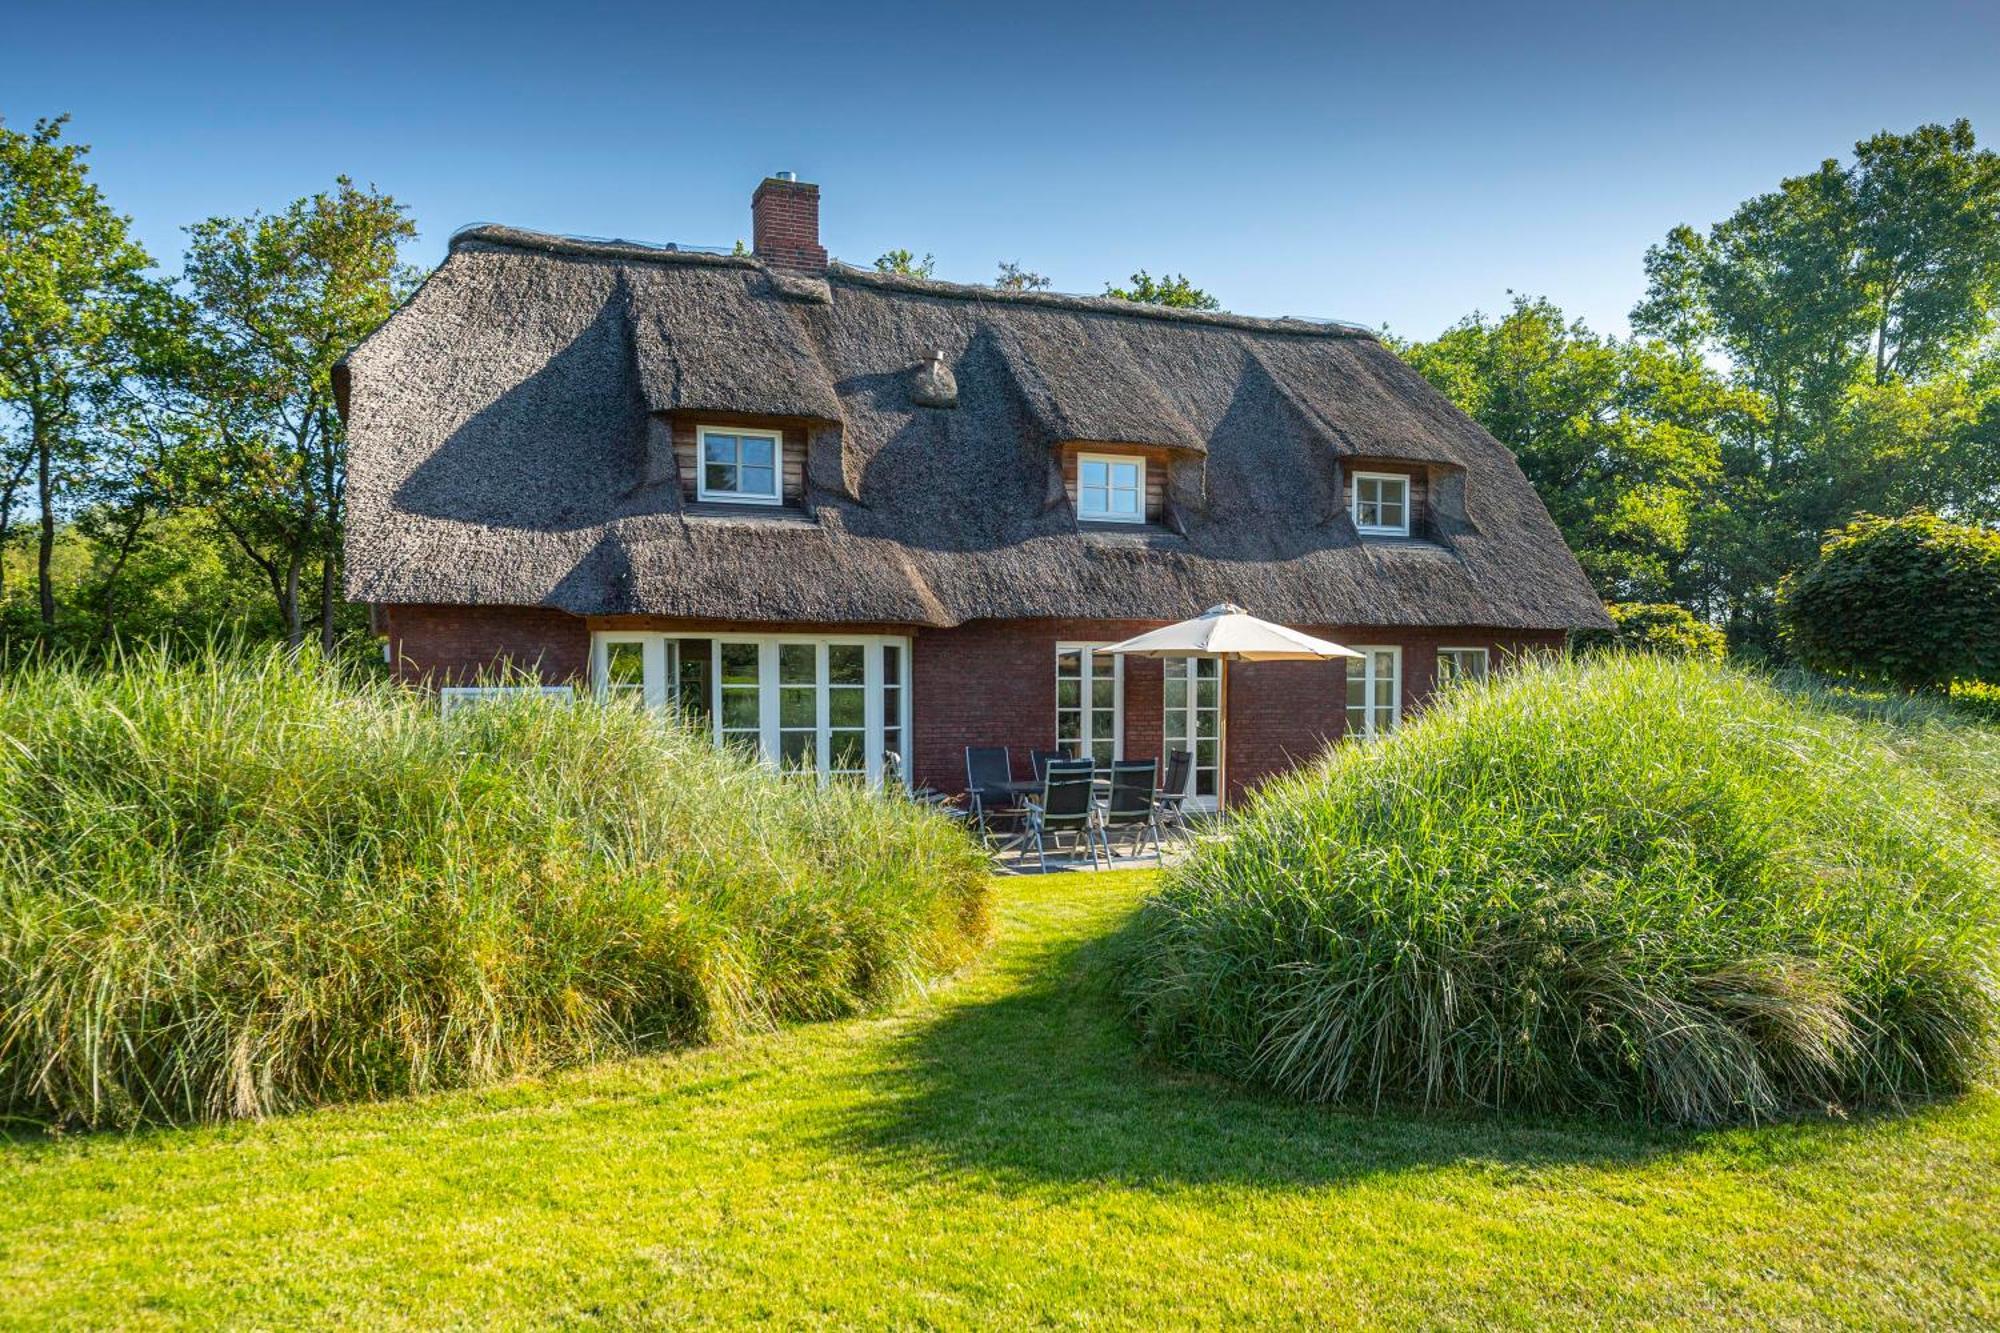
(499, 432)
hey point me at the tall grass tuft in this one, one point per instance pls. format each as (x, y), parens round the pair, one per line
(246, 885)
(1630, 887)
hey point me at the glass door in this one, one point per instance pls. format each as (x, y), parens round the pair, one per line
(1193, 721)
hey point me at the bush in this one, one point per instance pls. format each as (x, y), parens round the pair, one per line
(1637, 887)
(1911, 602)
(1653, 627)
(1977, 700)
(240, 887)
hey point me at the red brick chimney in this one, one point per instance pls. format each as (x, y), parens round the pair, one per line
(784, 224)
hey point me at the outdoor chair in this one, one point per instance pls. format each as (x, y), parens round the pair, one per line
(894, 781)
(1131, 807)
(1039, 760)
(1172, 800)
(989, 787)
(1066, 806)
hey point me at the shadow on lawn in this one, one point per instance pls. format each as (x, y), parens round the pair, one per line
(1048, 1083)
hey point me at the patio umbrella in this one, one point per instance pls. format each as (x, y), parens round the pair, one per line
(1230, 633)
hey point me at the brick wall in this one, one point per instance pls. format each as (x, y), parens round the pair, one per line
(988, 682)
(455, 645)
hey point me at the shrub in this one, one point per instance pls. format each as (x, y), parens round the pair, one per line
(1910, 602)
(1977, 700)
(1634, 886)
(1653, 627)
(239, 887)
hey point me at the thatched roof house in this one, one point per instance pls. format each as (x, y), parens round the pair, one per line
(623, 439)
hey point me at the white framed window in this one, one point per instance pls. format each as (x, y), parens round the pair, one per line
(1090, 702)
(1374, 692)
(643, 668)
(740, 465)
(1110, 488)
(1459, 664)
(454, 697)
(1382, 504)
(826, 706)
(1192, 697)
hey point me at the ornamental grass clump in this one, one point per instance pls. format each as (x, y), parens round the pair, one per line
(1630, 887)
(248, 885)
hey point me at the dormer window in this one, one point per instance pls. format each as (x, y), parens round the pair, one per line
(1382, 504)
(1110, 489)
(739, 465)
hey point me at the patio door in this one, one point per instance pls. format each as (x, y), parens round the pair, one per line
(1193, 721)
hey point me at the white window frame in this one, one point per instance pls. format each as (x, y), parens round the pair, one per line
(1370, 730)
(740, 433)
(1138, 514)
(1189, 710)
(661, 658)
(1485, 656)
(1381, 529)
(1092, 662)
(451, 698)
(662, 672)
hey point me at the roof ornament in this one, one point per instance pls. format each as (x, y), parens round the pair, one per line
(936, 386)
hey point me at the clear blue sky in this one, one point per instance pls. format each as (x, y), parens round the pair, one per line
(1373, 163)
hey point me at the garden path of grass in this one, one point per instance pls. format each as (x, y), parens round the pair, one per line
(997, 1154)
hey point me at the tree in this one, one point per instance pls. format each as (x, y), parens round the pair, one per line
(70, 279)
(1014, 278)
(1653, 627)
(1857, 304)
(1175, 291)
(1621, 439)
(275, 301)
(905, 263)
(1910, 602)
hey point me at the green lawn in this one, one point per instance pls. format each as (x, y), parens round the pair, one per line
(996, 1155)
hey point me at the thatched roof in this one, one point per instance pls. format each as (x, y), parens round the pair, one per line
(504, 424)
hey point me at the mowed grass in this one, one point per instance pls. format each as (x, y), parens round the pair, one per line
(997, 1154)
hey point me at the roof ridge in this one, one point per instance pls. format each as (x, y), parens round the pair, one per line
(488, 234)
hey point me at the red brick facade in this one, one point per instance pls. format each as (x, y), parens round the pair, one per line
(985, 683)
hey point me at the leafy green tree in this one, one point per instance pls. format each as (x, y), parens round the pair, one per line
(906, 263)
(1857, 304)
(1653, 627)
(1911, 602)
(1014, 278)
(275, 301)
(1622, 439)
(71, 278)
(1175, 291)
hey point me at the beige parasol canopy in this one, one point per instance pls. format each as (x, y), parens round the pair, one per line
(1230, 632)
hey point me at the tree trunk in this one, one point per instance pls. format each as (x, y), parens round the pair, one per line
(288, 602)
(45, 554)
(327, 592)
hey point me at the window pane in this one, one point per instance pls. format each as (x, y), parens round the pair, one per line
(739, 663)
(1103, 687)
(1125, 502)
(1069, 727)
(1100, 752)
(844, 663)
(798, 706)
(797, 663)
(739, 709)
(1125, 476)
(1176, 687)
(798, 749)
(720, 449)
(1093, 476)
(1069, 694)
(758, 481)
(849, 751)
(756, 452)
(624, 664)
(892, 664)
(846, 707)
(892, 740)
(721, 477)
(1069, 662)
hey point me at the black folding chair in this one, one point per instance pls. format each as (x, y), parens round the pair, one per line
(989, 786)
(1039, 760)
(895, 783)
(1131, 807)
(1174, 793)
(1066, 806)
